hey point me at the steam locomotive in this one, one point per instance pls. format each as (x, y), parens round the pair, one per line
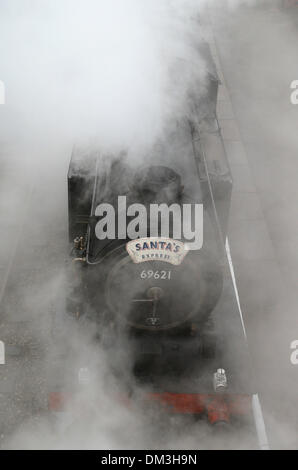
(176, 307)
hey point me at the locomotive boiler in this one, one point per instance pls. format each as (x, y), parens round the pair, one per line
(154, 294)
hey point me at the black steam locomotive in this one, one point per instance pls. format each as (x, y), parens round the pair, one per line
(175, 307)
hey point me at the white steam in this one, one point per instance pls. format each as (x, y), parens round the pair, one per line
(99, 71)
(95, 69)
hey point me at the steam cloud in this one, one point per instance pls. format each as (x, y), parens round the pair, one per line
(96, 72)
